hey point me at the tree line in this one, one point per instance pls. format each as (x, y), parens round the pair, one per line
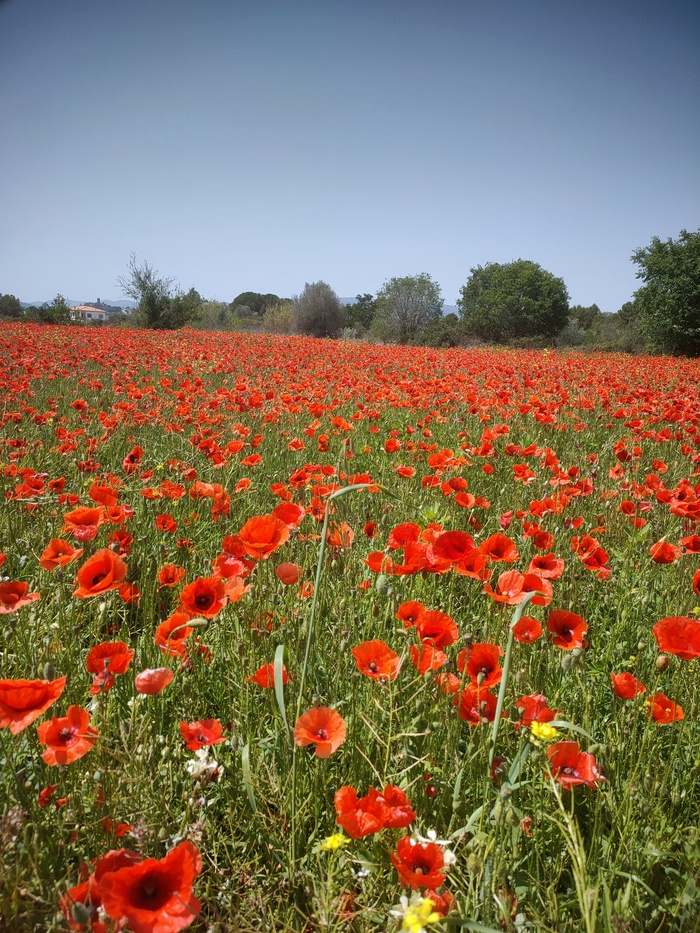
(516, 303)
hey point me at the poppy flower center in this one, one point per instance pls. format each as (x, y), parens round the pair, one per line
(203, 600)
(98, 578)
(570, 771)
(373, 666)
(322, 734)
(66, 734)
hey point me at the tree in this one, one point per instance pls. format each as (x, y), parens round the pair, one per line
(407, 305)
(10, 307)
(160, 307)
(360, 313)
(505, 301)
(318, 311)
(55, 312)
(253, 304)
(668, 303)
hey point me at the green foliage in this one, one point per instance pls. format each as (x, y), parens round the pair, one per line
(55, 312)
(669, 301)
(584, 316)
(160, 307)
(360, 314)
(253, 304)
(444, 332)
(318, 311)
(506, 301)
(215, 315)
(279, 318)
(10, 307)
(405, 306)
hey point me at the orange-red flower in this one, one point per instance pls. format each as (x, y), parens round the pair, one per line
(360, 816)
(67, 737)
(153, 680)
(106, 660)
(437, 628)
(154, 896)
(409, 612)
(663, 710)
(476, 705)
(678, 635)
(419, 864)
(14, 595)
(499, 548)
(480, 663)
(375, 659)
(172, 634)
(23, 701)
(102, 572)
(289, 574)
(320, 726)
(202, 732)
(171, 575)
(262, 535)
(427, 658)
(206, 596)
(534, 709)
(570, 766)
(58, 553)
(527, 629)
(265, 676)
(626, 686)
(568, 629)
(83, 522)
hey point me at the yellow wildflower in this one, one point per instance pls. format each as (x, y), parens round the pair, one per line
(415, 914)
(334, 842)
(542, 731)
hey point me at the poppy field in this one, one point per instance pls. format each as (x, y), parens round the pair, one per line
(322, 636)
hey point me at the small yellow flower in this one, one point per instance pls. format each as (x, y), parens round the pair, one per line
(543, 732)
(334, 842)
(415, 914)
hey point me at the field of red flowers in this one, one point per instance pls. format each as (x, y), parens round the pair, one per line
(304, 635)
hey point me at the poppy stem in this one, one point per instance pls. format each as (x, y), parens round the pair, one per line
(504, 676)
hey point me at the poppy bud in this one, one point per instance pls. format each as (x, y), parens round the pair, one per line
(566, 662)
(49, 671)
(82, 914)
(641, 646)
(661, 662)
(512, 818)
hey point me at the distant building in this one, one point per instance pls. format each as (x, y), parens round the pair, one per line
(87, 313)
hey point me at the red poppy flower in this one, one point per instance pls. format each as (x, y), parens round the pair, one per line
(451, 547)
(263, 534)
(546, 566)
(570, 766)
(679, 635)
(476, 705)
(340, 535)
(480, 663)
(419, 864)
(290, 513)
(427, 658)
(626, 686)
(165, 522)
(154, 896)
(375, 659)
(153, 680)
(172, 634)
(102, 572)
(400, 812)
(534, 709)
(83, 522)
(114, 656)
(265, 676)
(696, 582)
(362, 816)
(499, 548)
(206, 596)
(14, 595)
(289, 574)
(437, 628)
(202, 732)
(171, 575)
(58, 553)
(409, 612)
(663, 552)
(527, 629)
(568, 629)
(68, 737)
(322, 727)
(23, 701)
(663, 710)
(689, 545)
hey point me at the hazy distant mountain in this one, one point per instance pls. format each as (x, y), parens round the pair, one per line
(73, 302)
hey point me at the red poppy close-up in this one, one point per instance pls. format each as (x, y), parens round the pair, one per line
(67, 737)
(663, 710)
(571, 767)
(323, 727)
(376, 659)
(102, 572)
(419, 864)
(265, 676)
(262, 535)
(58, 553)
(480, 661)
(527, 629)
(205, 596)
(23, 701)
(153, 680)
(678, 635)
(626, 686)
(15, 595)
(202, 732)
(154, 895)
(567, 628)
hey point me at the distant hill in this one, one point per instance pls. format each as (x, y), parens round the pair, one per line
(73, 302)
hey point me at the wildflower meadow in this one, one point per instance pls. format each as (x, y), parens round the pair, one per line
(303, 635)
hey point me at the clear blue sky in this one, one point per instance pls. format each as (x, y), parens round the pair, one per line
(261, 145)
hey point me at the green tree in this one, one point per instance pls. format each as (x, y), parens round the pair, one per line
(506, 301)
(318, 311)
(668, 303)
(160, 307)
(360, 313)
(406, 305)
(279, 318)
(55, 312)
(10, 307)
(253, 304)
